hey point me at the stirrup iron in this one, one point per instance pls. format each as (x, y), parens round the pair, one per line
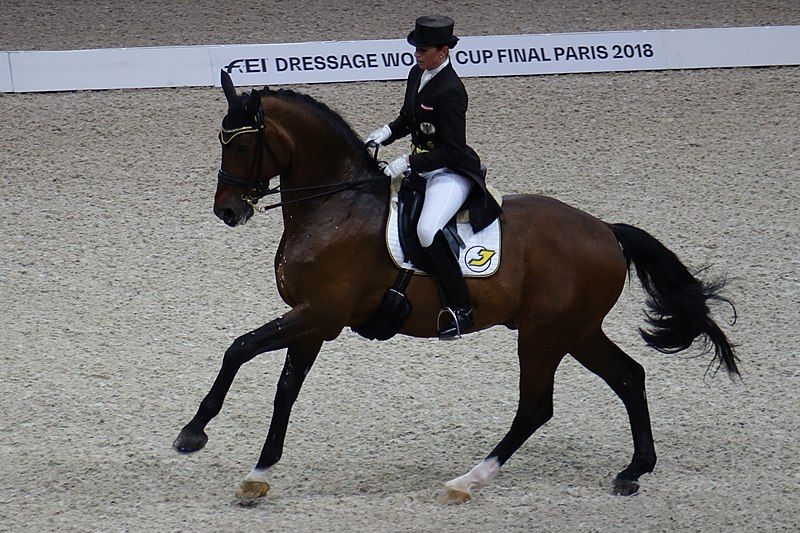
(452, 314)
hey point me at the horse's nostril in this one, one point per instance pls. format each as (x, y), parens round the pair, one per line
(227, 216)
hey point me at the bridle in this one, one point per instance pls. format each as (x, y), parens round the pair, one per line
(257, 186)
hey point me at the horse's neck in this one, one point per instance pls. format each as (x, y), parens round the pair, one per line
(364, 210)
(323, 156)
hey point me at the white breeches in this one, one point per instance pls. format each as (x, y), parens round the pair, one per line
(445, 192)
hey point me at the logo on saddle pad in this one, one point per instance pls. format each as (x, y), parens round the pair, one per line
(479, 259)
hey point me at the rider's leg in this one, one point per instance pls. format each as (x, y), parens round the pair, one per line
(445, 193)
(456, 314)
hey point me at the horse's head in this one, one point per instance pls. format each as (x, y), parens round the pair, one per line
(248, 162)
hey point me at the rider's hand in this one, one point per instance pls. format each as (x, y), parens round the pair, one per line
(379, 135)
(397, 167)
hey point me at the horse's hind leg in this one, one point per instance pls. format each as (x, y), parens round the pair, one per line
(537, 371)
(626, 377)
(299, 359)
(272, 336)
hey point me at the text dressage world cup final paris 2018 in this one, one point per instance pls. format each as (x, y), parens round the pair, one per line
(476, 56)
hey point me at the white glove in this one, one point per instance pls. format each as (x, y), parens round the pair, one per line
(397, 167)
(379, 135)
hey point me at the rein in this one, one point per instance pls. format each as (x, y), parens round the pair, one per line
(261, 187)
(335, 187)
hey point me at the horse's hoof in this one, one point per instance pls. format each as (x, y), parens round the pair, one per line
(451, 496)
(189, 441)
(250, 491)
(625, 487)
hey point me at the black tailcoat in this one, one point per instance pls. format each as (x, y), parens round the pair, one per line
(436, 118)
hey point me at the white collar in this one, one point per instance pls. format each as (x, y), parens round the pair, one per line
(438, 69)
(428, 74)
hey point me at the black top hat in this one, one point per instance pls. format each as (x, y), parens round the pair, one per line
(433, 30)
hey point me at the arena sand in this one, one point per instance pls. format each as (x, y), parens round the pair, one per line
(121, 291)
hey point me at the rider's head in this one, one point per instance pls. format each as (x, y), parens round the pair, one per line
(433, 38)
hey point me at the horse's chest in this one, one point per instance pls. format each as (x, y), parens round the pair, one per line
(295, 267)
(287, 267)
(280, 275)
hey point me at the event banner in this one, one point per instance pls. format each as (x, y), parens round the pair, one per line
(504, 55)
(337, 61)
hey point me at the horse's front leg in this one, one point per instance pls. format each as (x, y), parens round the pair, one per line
(299, 359)
(272, 336)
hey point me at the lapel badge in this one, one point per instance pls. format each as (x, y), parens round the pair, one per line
(431, 146)
(427, 128)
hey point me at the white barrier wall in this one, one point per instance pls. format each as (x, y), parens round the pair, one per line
(110, 68)
(5, 74)
(333, 61)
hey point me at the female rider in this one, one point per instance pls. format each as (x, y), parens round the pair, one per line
(434, 113)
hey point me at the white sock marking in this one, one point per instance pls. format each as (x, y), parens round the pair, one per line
(258, 475)
(477, 478)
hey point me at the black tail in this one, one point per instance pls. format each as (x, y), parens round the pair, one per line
(678, 301)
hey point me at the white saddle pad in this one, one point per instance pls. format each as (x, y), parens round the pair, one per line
(479, 258)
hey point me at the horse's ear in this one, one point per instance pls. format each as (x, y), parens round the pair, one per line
(254, 102)
(227, 86)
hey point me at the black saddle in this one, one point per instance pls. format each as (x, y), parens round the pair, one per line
(410, 198)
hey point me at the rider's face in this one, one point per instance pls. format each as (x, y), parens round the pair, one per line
(430, 57)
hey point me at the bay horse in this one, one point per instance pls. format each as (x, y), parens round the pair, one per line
(562, 271)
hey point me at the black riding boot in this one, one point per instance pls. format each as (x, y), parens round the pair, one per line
(456, 314)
